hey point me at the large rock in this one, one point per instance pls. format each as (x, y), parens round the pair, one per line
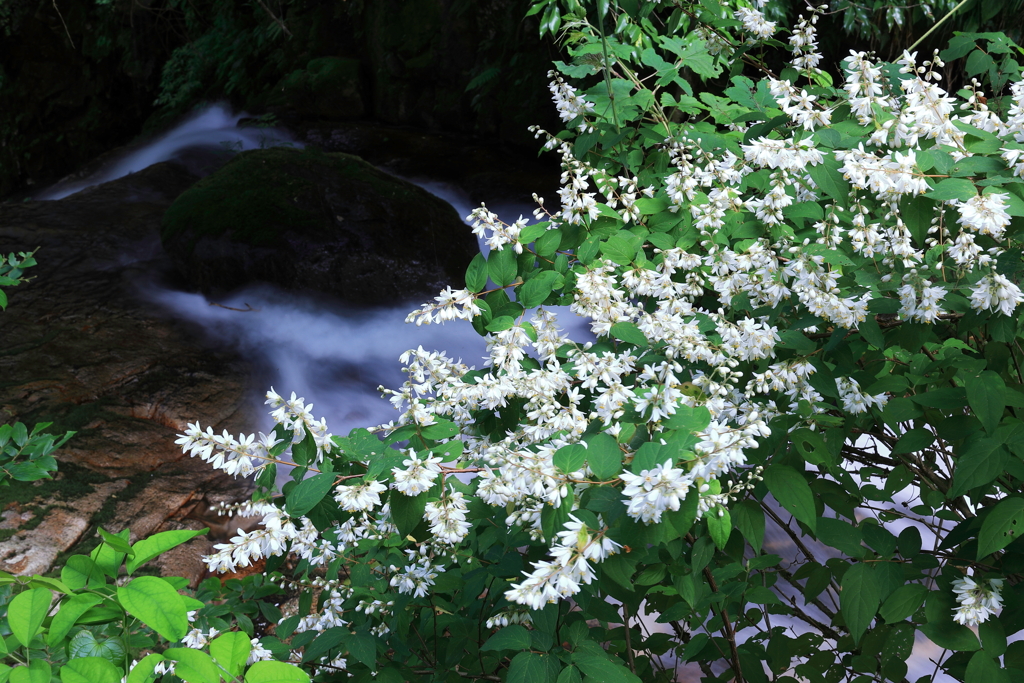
(314, 221)
(81, 347)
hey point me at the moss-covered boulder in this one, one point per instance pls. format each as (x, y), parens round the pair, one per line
(315, 221)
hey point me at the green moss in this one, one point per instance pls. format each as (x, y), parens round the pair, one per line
(71, 483)
(259, 195)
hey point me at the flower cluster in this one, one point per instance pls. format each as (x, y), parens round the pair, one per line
(976, 602)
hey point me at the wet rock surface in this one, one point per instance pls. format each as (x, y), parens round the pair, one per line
(306, 220)
(81, 347)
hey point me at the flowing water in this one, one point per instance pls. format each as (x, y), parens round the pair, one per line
(336, 356)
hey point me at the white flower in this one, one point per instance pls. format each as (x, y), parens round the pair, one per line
(977, 604)
(360, 497)
(995, 292)
(418, 476)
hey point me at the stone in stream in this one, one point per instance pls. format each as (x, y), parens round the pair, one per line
(80, 347)
(308, 220)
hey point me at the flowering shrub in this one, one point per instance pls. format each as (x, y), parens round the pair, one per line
(802, 298)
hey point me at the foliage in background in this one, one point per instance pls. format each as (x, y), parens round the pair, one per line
(97, 624)
(24, 455)
(803, 298)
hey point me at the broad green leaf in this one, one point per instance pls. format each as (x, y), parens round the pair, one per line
(570, 458)
(308, 494)
(628, 332)
(604, 456)
(231, 650)
(502, 267)
(86, 644)
(159, 606)
(829, 179)
(904, 601)
(719, 525)
(1001, 526)
(476, 274)
(951, 636)
(601, 669)
(119, 544)
(512, 637)
(90, 670)
(980, 463)
(569, 674)
(107, 558)
(157, 544)
(531, 667)
(953, 188)
(193, 666)
(537, 289)
(859, 598)
(38, 671)
(26, 612)
(983, 669)
(791, 490)
(407, 511)
(841, 535)
(363, 647)
(748, 518)
(70, 610)
(143, 671)
(986, 394)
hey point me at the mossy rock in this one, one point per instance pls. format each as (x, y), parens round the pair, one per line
(315, 221)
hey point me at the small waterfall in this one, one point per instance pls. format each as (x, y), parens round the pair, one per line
(212, 129)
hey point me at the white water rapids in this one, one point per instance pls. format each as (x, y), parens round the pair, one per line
(335, 356)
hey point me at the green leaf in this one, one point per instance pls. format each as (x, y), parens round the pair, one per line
(363, 647)
(512, 637)
(308, 494)
(980, 463)
(193, 666)
(791, 490)
(159, 606)
(531, 667)
(38, 671)
(628, 332)
(601, 668)
(619, 250)
(534, 292)
(26, 613)
(829, 179)
(107, 558)
(80, 571)
(90, 670)
(502, 266)
(476, 274)
(70, 610)
(157, 544)
(231, 650)
(719, 525)
(604, 456)
(986, 394)
(904, 601)
(569, 458)
(951, 636)
(407, 511)
(982, 669)
(748, 518)
(953, 188)
(859, 598)
(275, 672)
(569, 674)
(1001, 526)
(116, 542)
